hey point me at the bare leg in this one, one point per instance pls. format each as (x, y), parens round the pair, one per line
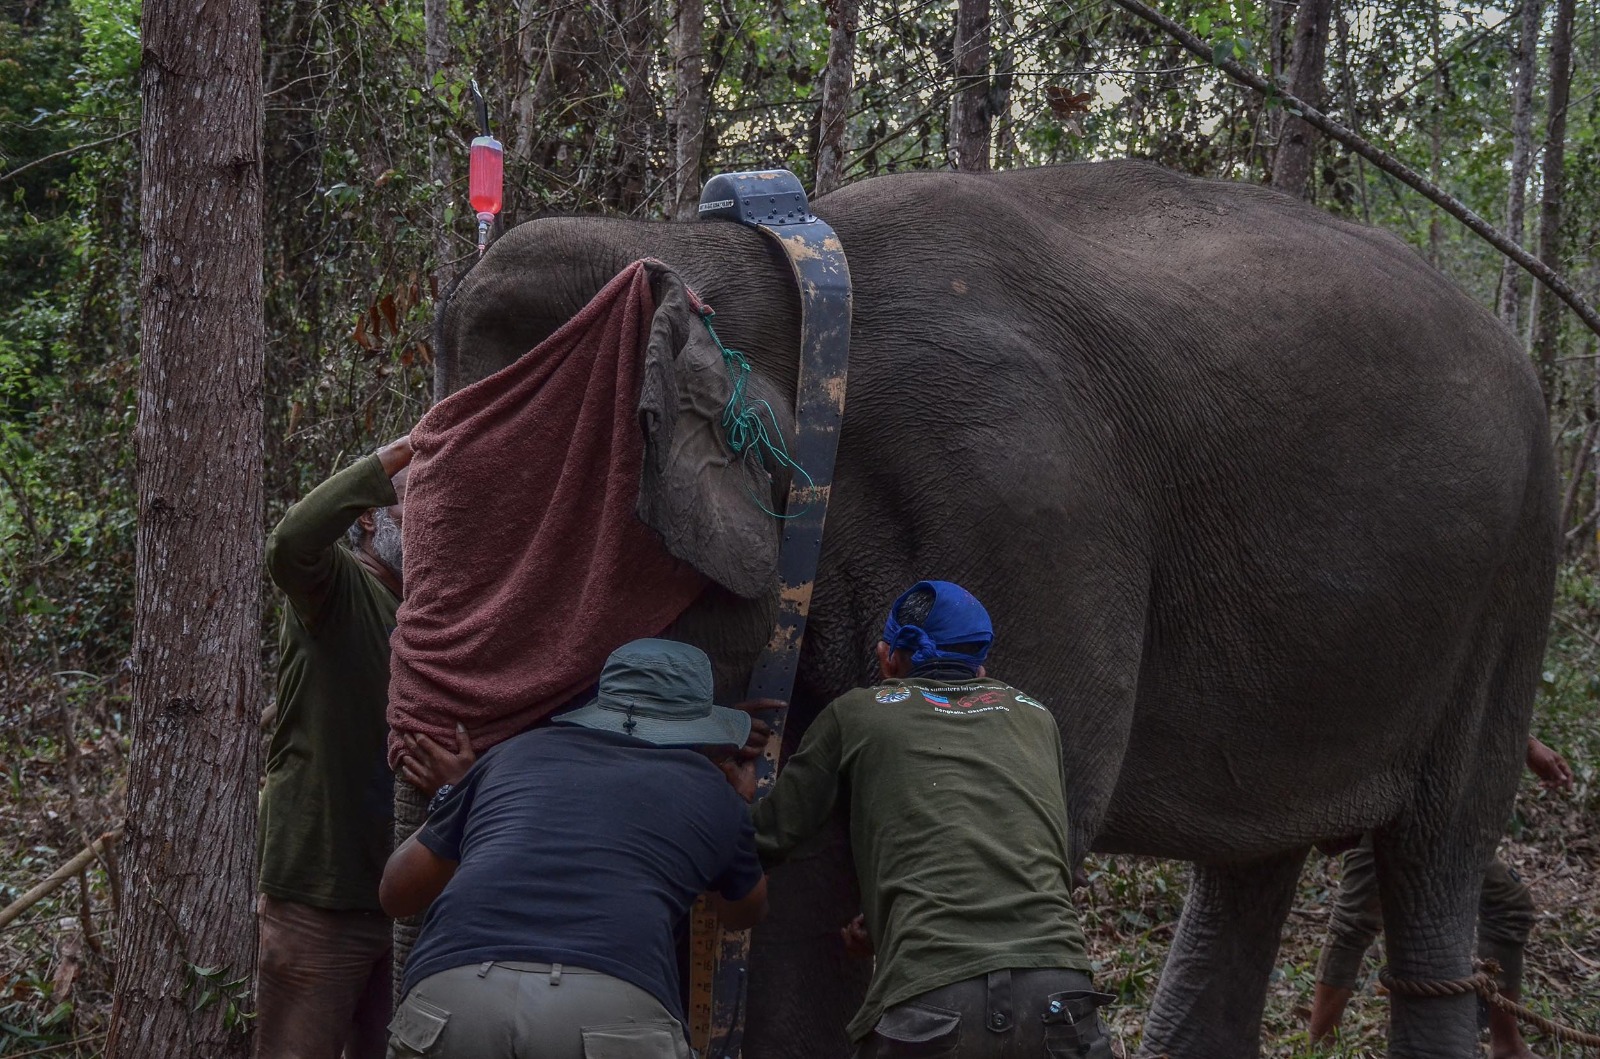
(1505, 1035)
(1327, 1008)
(1209, 1003)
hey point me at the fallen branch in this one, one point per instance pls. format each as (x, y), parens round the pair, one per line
(66, 153)
(56, 878)
(1378, 157)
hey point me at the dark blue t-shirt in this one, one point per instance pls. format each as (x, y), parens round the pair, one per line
(586, 848)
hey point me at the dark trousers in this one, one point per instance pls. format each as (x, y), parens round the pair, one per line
(322, 987)
(1015, 1014)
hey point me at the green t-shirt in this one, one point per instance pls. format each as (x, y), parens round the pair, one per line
(958, 823)
(327, 806)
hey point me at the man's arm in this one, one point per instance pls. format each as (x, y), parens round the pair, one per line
(299, 551)
(745, 912)
(414, 877)
(804, 795)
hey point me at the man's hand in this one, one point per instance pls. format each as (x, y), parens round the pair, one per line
(1552, 769)
(857, 942)
(760, 732)
(741, 775)
(395, 455)
(428, 766)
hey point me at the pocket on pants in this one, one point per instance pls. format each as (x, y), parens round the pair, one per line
(1072, 1027)
(634, 1040)
(415, 1028)
(917, 1031)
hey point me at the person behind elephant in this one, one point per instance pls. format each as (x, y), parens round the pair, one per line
(1505, 916)
(952, 785)
(324, 953)
(558, 873)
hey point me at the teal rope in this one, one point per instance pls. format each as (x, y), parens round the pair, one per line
(748, 434)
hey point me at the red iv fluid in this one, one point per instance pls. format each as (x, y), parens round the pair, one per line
(486, 181)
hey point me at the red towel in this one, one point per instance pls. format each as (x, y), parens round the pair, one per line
(526, 564)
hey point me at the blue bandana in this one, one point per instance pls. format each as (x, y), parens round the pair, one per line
(956, 618)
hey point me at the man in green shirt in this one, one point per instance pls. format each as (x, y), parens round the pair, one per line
(324, 973)
(952, 786)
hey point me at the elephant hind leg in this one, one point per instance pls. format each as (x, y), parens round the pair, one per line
(1430, 909)
(1208, 1005)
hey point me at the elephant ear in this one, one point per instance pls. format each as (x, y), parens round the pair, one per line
(703, 499)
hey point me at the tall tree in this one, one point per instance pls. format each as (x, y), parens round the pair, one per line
(1524, 71)
(1546, 310)
(970, 120)
(838, 83)
(187, 927)
(1436, 127)
(1297, 144)
(634, 22)
(435, 55)
(689, 106)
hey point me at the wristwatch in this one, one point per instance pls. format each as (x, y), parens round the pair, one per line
(439, 796)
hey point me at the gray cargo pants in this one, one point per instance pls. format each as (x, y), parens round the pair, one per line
(1505, 916)
(1018, 1014)
(532, 1011)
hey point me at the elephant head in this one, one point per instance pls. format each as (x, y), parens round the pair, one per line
(710, 501)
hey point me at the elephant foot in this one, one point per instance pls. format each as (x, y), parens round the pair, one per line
(1208, 1005)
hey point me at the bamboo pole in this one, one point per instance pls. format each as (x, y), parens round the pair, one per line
(55, 879)
(1378, 157)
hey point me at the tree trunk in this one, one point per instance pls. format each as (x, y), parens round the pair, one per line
(436, 54)
(1435, 124)
(969, 116)
(689, 117)
(1546, 312)
(188, 879)
(1005, 78)
(1292, 162)
(1524, 69)
(838, 83)
(636, 23)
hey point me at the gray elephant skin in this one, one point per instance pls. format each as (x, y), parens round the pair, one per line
(1262, 505)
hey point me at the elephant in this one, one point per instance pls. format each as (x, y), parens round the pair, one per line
(1262, 504)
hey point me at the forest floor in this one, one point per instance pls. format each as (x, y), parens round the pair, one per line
(61, 786)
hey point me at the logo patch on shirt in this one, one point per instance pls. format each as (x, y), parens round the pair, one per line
(937, 700)
(1030, 701)
(893, 694)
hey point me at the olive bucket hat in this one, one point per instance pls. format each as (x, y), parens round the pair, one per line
(660, 691)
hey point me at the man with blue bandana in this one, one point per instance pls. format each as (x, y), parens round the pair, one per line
(952, 785)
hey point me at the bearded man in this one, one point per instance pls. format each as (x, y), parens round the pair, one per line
(327, 804)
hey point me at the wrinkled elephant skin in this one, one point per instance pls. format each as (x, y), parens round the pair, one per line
(1262, 505)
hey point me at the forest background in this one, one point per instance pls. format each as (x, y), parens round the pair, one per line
(625, 106)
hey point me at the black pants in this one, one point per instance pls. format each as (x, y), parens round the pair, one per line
(1021, 1014)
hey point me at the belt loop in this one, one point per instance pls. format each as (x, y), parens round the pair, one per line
(999, 1001)
(555, 974)
(484, 970)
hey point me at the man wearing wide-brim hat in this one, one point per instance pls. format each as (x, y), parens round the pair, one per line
(557, 873)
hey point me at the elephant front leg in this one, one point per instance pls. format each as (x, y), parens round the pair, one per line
(803, 986)
(1208, 1005)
